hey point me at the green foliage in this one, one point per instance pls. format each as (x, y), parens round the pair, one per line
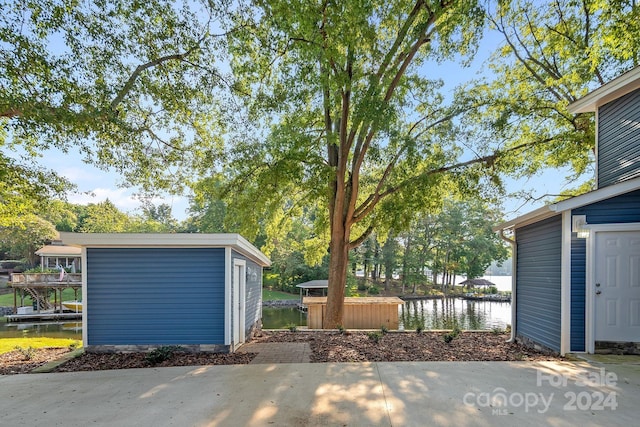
(132, 85)
(384, 329)
(450, 336)
(419, 328)
(292, 327)
(341, 329)
(27, 353)
(375, 336)
(27, 234)
(373, 290)
(161, 354)
(553, 53)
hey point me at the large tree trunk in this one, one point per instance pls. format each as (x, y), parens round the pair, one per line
(338, 264)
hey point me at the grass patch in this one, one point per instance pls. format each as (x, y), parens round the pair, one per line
(10, 344)
(268, 295)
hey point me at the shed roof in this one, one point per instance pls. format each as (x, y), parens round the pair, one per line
(59, 250)
(314, 284)
(478, 282)
(167, 240)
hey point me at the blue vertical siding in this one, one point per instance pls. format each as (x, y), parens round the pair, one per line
(538, 282)
(619, 140)
(253, 295)
(155, 296)
(578, 293)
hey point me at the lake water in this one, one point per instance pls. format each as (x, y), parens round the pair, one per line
(72, 330)
(433, 314)
(441, 313)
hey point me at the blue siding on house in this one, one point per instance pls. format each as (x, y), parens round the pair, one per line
(253, 295)
(155, 296)
(538, 282)
(619, 140)
(578, 293)
(621, 209)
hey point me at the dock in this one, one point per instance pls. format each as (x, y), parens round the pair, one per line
(43, 315)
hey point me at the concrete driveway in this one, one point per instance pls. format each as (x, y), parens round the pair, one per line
(363, 394)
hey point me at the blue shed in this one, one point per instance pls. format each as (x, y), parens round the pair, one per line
(576, 280)
(142, 291)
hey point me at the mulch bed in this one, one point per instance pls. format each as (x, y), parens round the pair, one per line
(326, 346)
(408, 346)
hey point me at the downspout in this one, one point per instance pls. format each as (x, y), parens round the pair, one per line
(514, 264)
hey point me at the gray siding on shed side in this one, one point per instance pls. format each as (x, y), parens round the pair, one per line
(253, 294)
(538, 277)
(155, 296)
(619, 140)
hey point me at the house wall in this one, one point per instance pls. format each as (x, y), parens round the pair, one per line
(578, 293)
(253, 295)
(538, 279)
(140, 297)
(620, 209)
(619, 140)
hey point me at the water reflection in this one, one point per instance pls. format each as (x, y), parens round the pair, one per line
(282, 317)
(72, 330)
(444, 313)
(441, 313)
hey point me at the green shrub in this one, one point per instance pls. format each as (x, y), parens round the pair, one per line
(384, 329)
(448, 338)
(340, 329)
(27, 353)
(375, 336)
(419, 328)
(161, 354)
(455, 331)
(374, 290)
(292, 327)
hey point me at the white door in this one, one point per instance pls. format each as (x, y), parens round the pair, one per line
(238, 302)
(617, 286)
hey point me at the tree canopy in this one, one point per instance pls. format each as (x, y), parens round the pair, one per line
(131, 85)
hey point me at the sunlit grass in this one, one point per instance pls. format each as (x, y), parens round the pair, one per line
(9, 344)
(268, 295)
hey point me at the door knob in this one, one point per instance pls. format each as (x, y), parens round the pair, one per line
(597, 285)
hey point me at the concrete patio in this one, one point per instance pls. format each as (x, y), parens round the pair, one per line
(359, 394)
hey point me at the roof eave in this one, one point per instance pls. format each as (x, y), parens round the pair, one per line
(233, 240)
(528, 218)
(571, 203)
(616, 88)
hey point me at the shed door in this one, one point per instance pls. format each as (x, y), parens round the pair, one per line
(617, 286)
(238, 304)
